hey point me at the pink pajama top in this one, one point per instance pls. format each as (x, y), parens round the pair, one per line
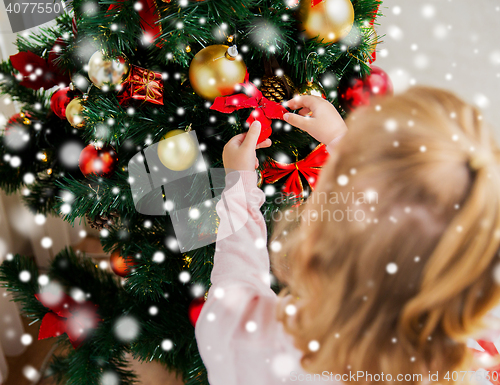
(239, 337)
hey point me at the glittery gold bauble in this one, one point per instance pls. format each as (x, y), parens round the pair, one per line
(74, 113)
(177, 150)
(311, 88)
(330, 20)
(107, 72)
(216, 70)
(277, 88)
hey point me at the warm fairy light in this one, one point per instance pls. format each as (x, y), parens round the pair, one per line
(49, 171)
(188, 49)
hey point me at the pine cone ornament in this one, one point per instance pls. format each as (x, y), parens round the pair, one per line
(100, 222)
(277, 88)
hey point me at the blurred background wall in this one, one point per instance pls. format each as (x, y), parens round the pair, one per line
(451, 44)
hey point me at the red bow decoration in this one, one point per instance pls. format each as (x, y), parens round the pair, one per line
(264, 111)
(67, 316)
(309, 167)
(28, 64)
(142, 84)
(489, 358)
(149, 19)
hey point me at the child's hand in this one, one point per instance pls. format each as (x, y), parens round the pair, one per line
(239, 152)
(319, 118)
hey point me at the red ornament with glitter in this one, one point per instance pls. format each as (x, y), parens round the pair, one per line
(98, 161)
(356, 92)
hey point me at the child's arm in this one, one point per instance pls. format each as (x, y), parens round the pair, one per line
(317, 117)
(237, 332)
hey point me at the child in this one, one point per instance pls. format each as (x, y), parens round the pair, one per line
(393, 291)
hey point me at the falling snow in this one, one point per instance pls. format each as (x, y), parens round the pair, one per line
(391, 268)
(126, 329)
(185, 277)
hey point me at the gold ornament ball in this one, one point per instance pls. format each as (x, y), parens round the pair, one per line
(330, 20)
(177, 150)
(107, 72)
(74, 113)
(311, 88)
(216, 70)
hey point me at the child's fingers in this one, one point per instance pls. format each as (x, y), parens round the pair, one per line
(308, 101)
(252, 136)
(304, 123)
(266, 143)
(304, 111)
(236, 140)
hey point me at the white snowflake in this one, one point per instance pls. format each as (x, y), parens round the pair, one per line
(126, 329)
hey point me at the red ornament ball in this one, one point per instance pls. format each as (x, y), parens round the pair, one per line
(121, 266)
(98, 161)
(59, 100)
(356, 92)
(195, 309)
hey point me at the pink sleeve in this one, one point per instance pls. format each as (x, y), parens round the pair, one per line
(237, 332)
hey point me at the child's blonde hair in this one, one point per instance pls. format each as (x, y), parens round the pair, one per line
(396, 288)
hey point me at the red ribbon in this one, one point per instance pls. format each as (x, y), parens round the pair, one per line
(309, 167)
(27, 63)
(264, 111)
(142, 84)
(67, 316)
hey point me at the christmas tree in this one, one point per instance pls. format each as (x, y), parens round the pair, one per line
(114, 82)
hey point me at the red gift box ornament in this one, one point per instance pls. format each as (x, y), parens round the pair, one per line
(309, 167)
(142, 84)
(264, 111)
(76, 319)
